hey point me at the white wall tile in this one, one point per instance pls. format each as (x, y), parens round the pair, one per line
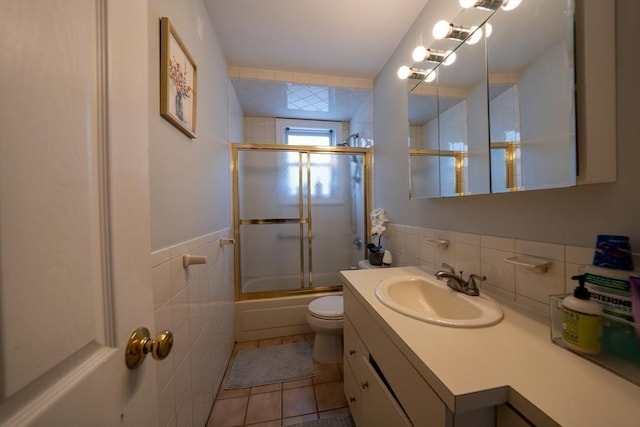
(180, 308)
(498, 272)
(499, 243)
(417, 231)
(410, 260)
(184, 411)
(539, 249)
(158, 257)
(467, 259)
(497, 292)
(538, 286)
(570, 271)
(412, 245)
(265, 74)
(577, 255)
(445, 255)
(427, 251)
(196, 304)
(428, 232)
(161, 283)
(467, 238)
(178, 275)
(167, 406)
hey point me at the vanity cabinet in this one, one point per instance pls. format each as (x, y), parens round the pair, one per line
(381, 386)
(370, 402)
(506, 416)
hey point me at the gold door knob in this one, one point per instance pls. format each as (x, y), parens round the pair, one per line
(140, 343)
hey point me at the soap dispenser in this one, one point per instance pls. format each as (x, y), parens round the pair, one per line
(581, 320)
(387, 259)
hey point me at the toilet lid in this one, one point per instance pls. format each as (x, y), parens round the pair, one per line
(327, 307)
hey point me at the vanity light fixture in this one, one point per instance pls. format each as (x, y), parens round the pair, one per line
(476, 35)
(510, 4)
(490, 5)
(446, 30)
(488, 29)
(405, 72)
(422, 54)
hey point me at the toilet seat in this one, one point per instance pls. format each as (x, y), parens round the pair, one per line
(327, 308)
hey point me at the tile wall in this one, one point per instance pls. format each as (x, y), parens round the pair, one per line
(196, 304)
(484, 255)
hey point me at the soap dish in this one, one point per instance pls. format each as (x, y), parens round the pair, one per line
(539, 265)
(441, 243)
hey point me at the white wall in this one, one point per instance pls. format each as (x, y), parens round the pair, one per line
(189, 178)
(190, 213)
(571, 216)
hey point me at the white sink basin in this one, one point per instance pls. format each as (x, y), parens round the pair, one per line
(430, 300)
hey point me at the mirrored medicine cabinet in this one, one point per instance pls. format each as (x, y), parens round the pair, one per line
(502, 116)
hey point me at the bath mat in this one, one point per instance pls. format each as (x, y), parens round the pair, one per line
(269, 365)
(339, 421)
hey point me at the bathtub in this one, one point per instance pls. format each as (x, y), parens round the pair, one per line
(276, 317)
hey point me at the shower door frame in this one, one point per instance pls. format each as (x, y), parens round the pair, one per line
(236, 148)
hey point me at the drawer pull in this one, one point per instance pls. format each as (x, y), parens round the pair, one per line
(352, 399)
(352, 352)
(364, 385)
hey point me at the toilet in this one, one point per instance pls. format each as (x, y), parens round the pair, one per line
(325, 317)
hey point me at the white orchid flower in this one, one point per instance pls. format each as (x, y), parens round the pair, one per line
(378, 219)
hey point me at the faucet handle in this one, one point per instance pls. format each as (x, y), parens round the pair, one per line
(448, 267)
(473, 277)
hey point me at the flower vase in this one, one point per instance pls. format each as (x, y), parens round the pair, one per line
(179, 111)
(375, 258)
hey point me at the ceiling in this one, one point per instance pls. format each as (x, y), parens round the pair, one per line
(298, 101)
(352, 38)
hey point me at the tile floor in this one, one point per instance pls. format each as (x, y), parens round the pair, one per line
(282, 404)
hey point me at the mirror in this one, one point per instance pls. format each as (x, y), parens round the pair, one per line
(501, 118)
(530, 56)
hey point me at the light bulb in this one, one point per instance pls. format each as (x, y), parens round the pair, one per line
(431, 75)
(441, 30)
(466, 4)
(488, 29)
(419, 53)
(511, 4)
(450, 58)
(404, 72)
(475, 36)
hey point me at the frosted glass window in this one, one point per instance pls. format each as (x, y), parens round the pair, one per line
(321, 165)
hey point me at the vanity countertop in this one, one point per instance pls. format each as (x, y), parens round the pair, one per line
(512, 361)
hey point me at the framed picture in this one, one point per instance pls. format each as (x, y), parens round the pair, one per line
(178, 81)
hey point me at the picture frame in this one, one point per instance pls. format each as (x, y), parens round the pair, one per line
(178, 81)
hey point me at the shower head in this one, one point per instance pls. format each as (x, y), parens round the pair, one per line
(347, 141)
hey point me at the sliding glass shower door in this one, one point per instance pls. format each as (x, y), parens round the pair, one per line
(299, 216)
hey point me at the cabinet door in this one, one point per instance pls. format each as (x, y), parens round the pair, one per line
(354, 348)
(379, 408)
(353, 393)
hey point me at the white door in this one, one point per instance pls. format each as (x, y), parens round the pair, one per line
(74, 213)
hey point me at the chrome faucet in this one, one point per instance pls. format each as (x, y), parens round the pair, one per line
(457, 283)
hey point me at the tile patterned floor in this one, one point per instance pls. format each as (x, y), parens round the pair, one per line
(282, 404)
